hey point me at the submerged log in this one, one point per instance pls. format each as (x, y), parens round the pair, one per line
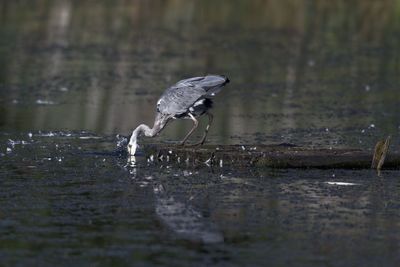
(273, 156)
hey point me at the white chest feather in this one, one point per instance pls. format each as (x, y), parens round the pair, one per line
(197, 103)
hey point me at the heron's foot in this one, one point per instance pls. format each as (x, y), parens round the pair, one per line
(189, 145)
(182, 143)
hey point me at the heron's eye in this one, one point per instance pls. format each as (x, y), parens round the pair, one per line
(158, 107)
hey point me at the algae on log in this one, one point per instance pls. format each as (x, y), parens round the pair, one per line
(274, 156)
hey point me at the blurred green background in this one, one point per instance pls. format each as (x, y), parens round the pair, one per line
(308, 72)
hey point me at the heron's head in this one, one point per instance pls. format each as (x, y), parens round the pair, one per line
(132, 146)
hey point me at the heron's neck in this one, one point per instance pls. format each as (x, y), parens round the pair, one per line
(159, 124)
(146, 130)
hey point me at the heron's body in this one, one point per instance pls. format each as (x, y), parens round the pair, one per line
(187, 99)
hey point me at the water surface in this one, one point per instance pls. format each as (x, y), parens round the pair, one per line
(70, 198)
(73, 74)
(305, 72)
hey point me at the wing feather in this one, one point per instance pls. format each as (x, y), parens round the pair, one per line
(178, 98)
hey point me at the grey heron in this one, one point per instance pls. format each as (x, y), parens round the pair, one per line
(187, 99)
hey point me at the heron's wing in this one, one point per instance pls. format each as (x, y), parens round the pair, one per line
(208, 83)
(189, 81)
(181, 96)
(178, 99)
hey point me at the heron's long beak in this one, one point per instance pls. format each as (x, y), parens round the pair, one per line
(132, 146)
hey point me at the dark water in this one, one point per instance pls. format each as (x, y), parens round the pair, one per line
(68, 199)
(73, 74)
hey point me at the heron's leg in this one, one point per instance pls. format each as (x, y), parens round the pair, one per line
(210, 120)
(195, 124)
